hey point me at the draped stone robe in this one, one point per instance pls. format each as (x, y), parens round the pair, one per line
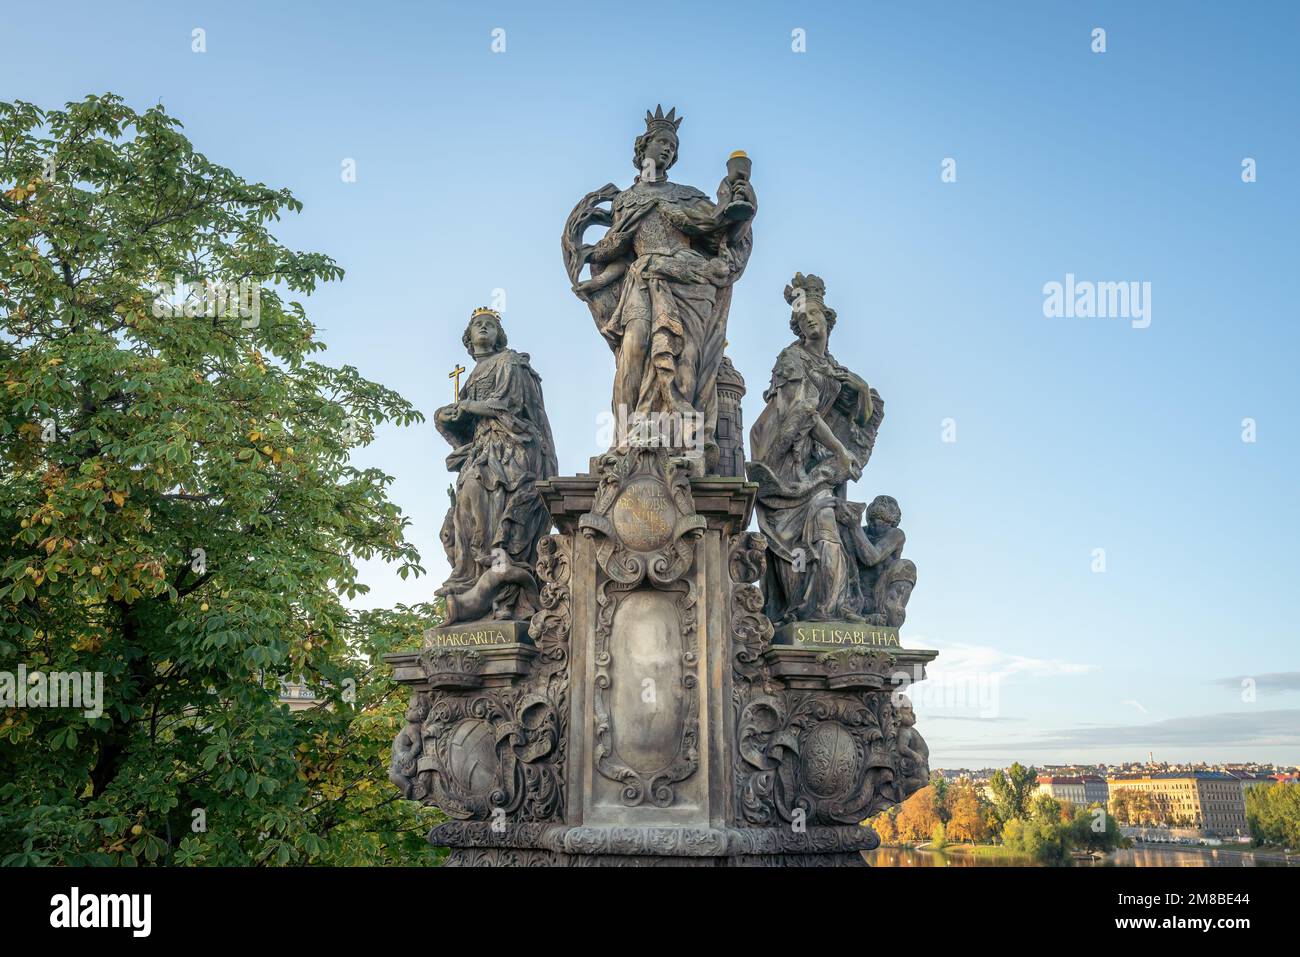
(669, 325)
(802, 505)
(500, 457)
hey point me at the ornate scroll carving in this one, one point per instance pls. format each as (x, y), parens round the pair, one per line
(751, 630)
(825, 758)
(486, 754)
(452, 667)
(550, 630)
(645, 529)
(498, 753)
(854, 668)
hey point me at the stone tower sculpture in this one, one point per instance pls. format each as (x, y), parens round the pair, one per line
(660, 706)
(731, 423)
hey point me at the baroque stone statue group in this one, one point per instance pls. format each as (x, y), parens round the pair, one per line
(626, 672)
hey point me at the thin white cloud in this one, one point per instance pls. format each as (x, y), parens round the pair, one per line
(1237, 729)
(959, 660)
(1269, 681)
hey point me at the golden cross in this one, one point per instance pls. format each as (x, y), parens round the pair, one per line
(455, 374)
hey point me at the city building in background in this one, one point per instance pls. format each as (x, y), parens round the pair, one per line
(1080, 789)
(1211, 801)
(297, 695)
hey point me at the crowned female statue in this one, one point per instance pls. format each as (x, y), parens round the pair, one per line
(501, 446)
(661, 279)
(815, 434)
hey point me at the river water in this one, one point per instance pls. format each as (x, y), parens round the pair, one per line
(1141, 855)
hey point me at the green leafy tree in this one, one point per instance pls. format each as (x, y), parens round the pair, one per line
(938, 838)
(939, 784)
(1273, 814)
(1095, 830)
(1048, 808)
(179, 513)
(1042, 833)
(1143, 809)
(1012, 791)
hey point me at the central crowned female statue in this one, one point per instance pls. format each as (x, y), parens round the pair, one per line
(661, 278)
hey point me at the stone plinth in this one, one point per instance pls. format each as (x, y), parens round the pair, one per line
(648, 718)
(649, 662)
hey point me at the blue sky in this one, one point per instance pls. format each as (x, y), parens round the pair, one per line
(1072, 434)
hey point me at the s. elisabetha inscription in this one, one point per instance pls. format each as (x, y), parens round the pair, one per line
(836, 634)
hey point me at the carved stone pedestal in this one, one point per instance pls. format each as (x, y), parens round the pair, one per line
(652, 721)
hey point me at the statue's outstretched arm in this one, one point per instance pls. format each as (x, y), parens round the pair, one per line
(611, 246)
(615, 243)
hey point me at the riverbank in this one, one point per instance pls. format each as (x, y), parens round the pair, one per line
(990, 852)
(1271, 855)
(1139, 855)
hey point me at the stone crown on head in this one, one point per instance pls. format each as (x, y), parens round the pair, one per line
(811, 287)
(501, 342)
(658, 121)
(803, 290)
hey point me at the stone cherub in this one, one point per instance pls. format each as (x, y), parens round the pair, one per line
(661, 283)
(886, 577)
(407, 748)
(502, 446)
(815, 434)
(913, 752)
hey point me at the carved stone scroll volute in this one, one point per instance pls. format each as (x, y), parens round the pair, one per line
(646, 657)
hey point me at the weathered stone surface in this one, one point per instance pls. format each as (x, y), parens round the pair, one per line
(660, 286)
(814, 436)
(647, 670)
(482, 634)
(748, 753)
(486, 733)
(836, 634)
(653, 684)
(730, 431)
(670, 842)
(885, 577)
(502, 446)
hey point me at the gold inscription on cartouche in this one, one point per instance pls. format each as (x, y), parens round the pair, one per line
(643, 516)
(464, 639)
(872, 635)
